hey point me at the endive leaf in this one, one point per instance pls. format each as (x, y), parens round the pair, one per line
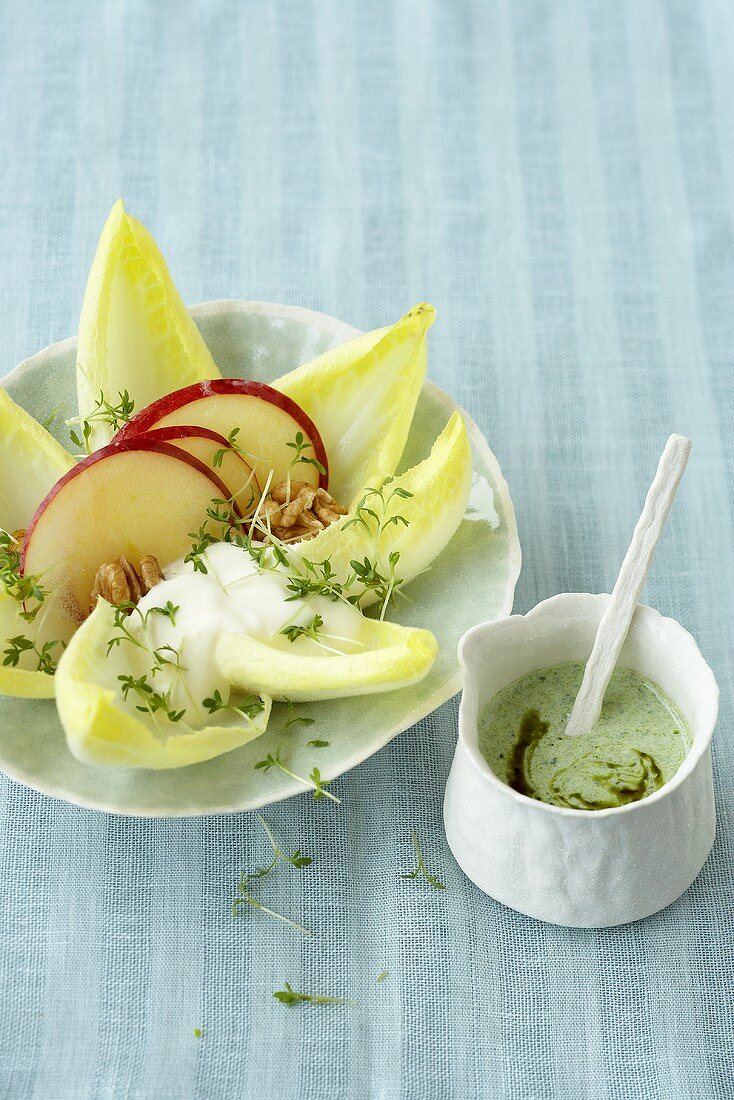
(393, 657)
(31, 461)
(100, 729)
(438, 491)
(362, 396)
(135, 334)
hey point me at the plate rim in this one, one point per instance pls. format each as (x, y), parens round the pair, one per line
(447, 690)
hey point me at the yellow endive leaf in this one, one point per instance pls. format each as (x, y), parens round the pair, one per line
(135, 333)
(100, 729)
(362, 396)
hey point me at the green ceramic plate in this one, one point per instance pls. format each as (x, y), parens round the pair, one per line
(473, 580)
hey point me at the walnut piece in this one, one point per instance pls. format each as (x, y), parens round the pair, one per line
(298, 511)
(291, 508)
(306, 528)
(18, 535)
(150, 572)
(134, 585)
(120, 582)
(326, 508)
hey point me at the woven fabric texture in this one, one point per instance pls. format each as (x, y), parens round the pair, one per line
(558, 179)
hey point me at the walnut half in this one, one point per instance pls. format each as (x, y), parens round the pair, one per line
(298, 511)
(119, 582)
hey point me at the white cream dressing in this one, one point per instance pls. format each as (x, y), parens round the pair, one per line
(234, 597)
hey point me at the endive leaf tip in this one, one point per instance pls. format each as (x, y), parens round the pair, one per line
(117, 215)
(423, 314)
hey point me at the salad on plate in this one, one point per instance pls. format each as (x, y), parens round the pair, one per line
(209, 548)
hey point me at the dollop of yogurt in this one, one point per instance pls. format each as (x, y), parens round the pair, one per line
(234, 596)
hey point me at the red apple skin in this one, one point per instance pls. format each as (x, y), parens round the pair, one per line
(178, 431)
(135, 444)
(147, 418)
(186, 431)
(92, 526)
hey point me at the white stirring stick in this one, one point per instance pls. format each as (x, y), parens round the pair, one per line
(616, 620)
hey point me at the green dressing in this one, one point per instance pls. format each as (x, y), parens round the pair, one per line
(638, 744)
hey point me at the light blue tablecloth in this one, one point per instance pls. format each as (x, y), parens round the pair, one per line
(558, 178)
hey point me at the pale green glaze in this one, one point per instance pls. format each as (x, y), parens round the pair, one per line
(638, 744)
(473, 580)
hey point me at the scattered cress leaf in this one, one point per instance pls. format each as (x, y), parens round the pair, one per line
(299, 719)
(421, 867)
(297, 859)
(289, 996)
(314, 780)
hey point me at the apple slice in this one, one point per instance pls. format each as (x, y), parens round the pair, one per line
(132, 498)
(134, 333)
(218, 456)
(272, 431)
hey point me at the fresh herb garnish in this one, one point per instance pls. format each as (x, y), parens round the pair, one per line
(373, 580)
(248, 899)
(318, 744)
(289, 996)
(300, 445)
(312, 630)
(45, 661)
(249, 707)
(229, 524)
(202, 540)
(319, 580)
(104, 412)
(26, 589)
(168, 611)
(297, 860)
(162, 657)
(315, 632)
(372, 512)
(51, 417)
(374, 515)
(224, 513)
(382, 975)
(232, 445)
(299, 719)
(152, 701)
(314, 780)
(421, 868)
(267, 556)
(279, 856)
(197, 1032)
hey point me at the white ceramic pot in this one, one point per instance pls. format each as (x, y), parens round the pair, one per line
(582, 868)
